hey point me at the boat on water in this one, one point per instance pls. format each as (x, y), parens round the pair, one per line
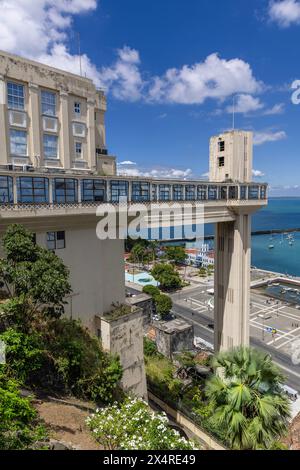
(271, 247)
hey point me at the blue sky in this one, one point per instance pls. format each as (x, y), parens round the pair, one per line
(171, 69)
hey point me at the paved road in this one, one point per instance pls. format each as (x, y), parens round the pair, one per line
(201, 322)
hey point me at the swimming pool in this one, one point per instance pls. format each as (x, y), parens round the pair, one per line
(143, 279)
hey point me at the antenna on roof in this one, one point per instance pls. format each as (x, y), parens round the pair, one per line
(79, 53)
(233, 112)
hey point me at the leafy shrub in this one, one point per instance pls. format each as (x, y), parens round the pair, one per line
(151, 290)
(163, 305)
(132, 425)
(24, 354)
(150, 348)
(65, 357)
(18, 425)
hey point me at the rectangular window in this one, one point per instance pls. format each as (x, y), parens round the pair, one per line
(177, 192)
(50, 144)
(190, 192)
(93, 190)
(233, 192)
(119, 189)
(64, 190)
(212, 193)
(221, 146)
(48, 103)
(56, 240)
(202, 193)
(140, 191)
(77, 107)
(221, 161)
(78, 150)
(6, 190)
(15, 96)
(253, 192)
(18, 143)
(164, 192)
(32, 190)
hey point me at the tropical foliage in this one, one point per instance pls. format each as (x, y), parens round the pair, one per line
(42, 349)
(19, 428)
(167, 276)
(248, 399)
(131, 425)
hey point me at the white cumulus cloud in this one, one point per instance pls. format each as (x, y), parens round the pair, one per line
(41, 30)
(214, 78)
(258, 173)
(245, 104)
(261, 138)
(285, 12)
(155, 172)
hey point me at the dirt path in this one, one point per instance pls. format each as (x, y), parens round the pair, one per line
(66, 422)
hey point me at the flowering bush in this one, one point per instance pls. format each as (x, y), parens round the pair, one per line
(132, 425)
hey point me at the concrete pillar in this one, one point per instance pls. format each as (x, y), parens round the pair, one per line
(124, 336)
(232, 282)
(15, 190)
(3, 128)
(50, 191)
(64, 135)
(34, 133)
(91, 136)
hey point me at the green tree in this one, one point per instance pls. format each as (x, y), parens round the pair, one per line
(176, 254)
(18, 426)
(132, 425)
(151, 290)
(167, 276)
(33, 274)
(163, 305)
(249, 402)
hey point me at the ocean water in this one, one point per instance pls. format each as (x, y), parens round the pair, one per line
(280, 214)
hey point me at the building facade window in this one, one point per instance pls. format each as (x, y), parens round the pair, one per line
(119, 189)
(263, 192)
(56, 240)
(6, 190)
(178, 192)
(190, 192)
(243, 192)
(32, 190)
(50, 145)
(15, 96)
(140, 191)
(253, 192)
(223, 192)
(221, 162)
(18, 143)
(202, 193)
(212, 193)
(164, 192)
(77, 108)
(78, 150)
(233, 192)
(65, 190)
(221, 145)
(48, 103)
(93, 190)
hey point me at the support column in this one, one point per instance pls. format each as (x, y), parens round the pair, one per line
(232, 282)
(34, 128)
(91, 135)
(3, 127)
(65, 156)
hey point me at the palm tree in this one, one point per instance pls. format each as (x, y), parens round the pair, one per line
(249, 402)
(153, 246)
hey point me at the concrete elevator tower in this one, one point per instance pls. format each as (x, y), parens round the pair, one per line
(231, 162)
